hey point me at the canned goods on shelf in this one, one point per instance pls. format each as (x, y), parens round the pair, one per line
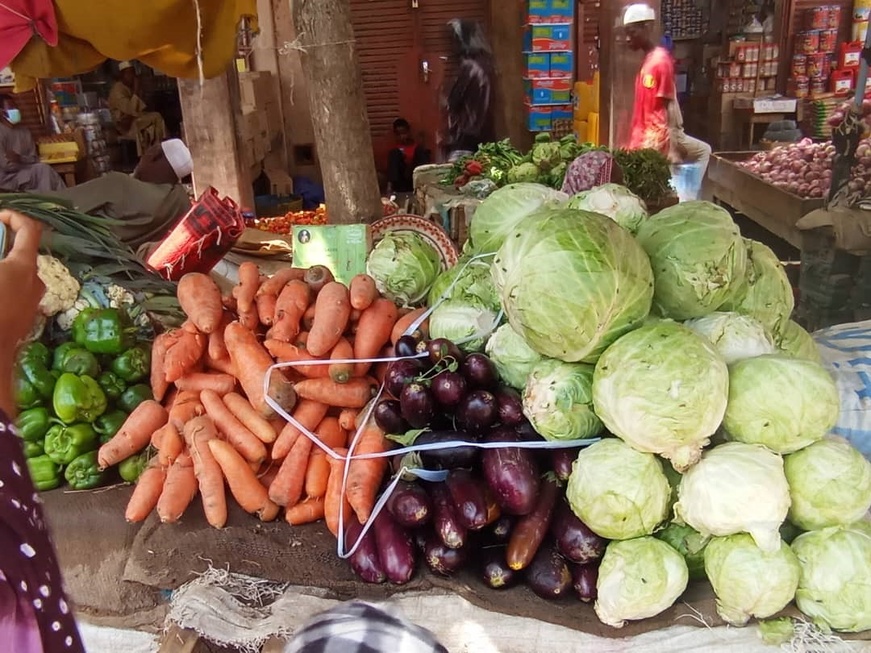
(807, 42)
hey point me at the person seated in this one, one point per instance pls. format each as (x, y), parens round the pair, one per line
(149, 202)
(129, 113)
(404, 158)
(20, 167)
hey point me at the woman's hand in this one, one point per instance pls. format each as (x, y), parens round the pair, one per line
(20, 286)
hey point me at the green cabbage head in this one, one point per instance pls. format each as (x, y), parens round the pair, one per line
(736, 488)
(558, 401)
(471, 281)
(663, 389)
(513, 358)
(835, 585)
(572, 282)
(798, 343)
(690, 544)
(619, 493)
(735, 336)
(830, 484)
(614, 201)
(404, 266)
(507, 207)
(638, 579)
(468, 324)
(783, 403)
(698, 257)
(748, 581)
(766, 293)
(526, 172)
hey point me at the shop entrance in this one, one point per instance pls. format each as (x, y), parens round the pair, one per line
(404, 48)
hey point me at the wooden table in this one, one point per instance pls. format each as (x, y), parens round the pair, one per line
(70, 171)
(747, 117)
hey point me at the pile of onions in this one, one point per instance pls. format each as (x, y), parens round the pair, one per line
(805, 168)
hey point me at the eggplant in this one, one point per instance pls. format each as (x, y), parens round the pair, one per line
(511, 473)
(477, 411)
(388, 417)
(409, 505)
(510, 407)
(406, 346)
(442, 559)
(561, 461)
(448, 388)
(500, 530)
(395, 549)
(480, 372)
(448, 458)
(548, 575)
(584, 580)
(574, 539)
(527, 432)
(529, 532)
(400, 373)
(470, 501)
(442, 349)
(365, 561)
(417, 405)
(444, 518)
(496, 573)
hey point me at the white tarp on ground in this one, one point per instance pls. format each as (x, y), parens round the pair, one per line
(98, 639)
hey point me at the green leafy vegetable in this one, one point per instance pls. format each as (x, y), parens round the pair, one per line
(558, 401)
(614, 201)
(404, 267)
(735, 336)
(513, 358)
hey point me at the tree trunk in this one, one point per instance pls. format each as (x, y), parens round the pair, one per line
(338, 109)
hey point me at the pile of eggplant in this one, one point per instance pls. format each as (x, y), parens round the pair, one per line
(501, 512)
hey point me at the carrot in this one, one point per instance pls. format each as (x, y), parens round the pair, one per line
(251, 448)
(308, 319)
(220, 365)
(317, 277)
(198, 433)
(348, 419)
(171, 445)
(250, 320)
(404, 323)
(216, 349)
(197, 382)
(356, 393)
(243, 483)
(317, 474)
(336, 505)
(184, 350)
(179, 490)
(134, 435)
(305, 512)
(286, 489)
(249, 284)
(331, 434)
(186, 406)
(365, 475)
(353, 319)
(252, 363)
(285, 352)
(373, 333)
(307, 413)
(379, 370)
(363, 292)
(250, 418)
(274, 284)
(229, 302)
(332, 311)
(290, 306)
(266, 477)
(341, 372)
(146, 493)
(200, 299)
(301, 339)
(266, 308)
(159, 384)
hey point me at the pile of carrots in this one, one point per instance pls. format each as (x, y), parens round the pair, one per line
(212, 430)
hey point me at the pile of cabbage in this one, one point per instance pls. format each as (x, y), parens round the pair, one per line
(670, 338)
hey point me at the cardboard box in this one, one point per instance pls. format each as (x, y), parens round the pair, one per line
(537, 65)
(547, 38)
(539, 119)
(562, 113)
(550, 11)
(548, 91)
(341, 248)
(562, 65)
(537, 11)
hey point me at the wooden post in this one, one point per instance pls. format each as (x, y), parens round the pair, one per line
(209, 114)
(338, 108)
(506, 26)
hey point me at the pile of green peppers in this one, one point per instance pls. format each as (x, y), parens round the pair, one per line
(76, 397)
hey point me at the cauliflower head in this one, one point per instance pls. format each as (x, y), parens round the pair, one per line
(61, 287)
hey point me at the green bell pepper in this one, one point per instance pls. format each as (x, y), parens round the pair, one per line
(135, 395)
(102, 331)
(64, 443)
(113, 386)
(35, 352)
(44, 473)
(81, 362)
(33, 363)
(84, 473)
(33, 449)
(60, 354)
(132, 468)
(26, 395)
(33, 424)
(78, 399)
(133, 365)
(108, 424)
